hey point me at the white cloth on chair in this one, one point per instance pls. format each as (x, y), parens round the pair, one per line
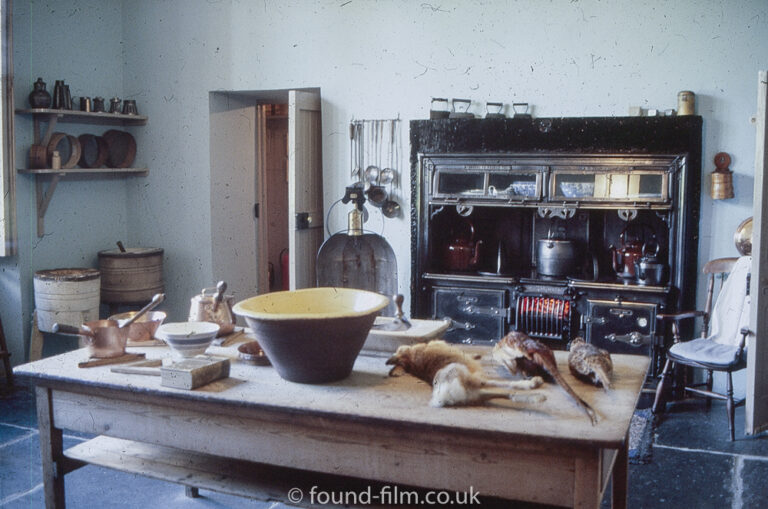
(731, 310)
(729, 315)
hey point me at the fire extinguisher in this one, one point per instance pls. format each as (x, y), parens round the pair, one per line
(284, 274)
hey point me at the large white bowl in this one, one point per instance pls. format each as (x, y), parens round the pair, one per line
(188, 339)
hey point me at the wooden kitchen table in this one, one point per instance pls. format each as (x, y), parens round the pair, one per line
(257, 435)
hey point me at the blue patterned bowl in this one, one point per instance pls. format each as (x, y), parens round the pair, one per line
(188, 339)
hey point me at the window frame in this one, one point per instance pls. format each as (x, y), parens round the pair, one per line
(7, 145)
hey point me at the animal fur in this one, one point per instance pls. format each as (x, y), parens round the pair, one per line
(590, 363)
(457, 377)
(520, 353)
(456, 385)
(424, 360)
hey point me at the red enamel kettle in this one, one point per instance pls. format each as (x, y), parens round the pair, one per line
(625, 256)
(462, 252)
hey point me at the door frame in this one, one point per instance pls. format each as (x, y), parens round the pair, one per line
(756, 412)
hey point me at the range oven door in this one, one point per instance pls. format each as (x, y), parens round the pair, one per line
(477, 316)
(621, 327)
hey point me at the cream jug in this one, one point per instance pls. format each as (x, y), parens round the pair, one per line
(213, 306)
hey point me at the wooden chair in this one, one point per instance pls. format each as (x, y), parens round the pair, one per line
(5, 356)
(723, 335)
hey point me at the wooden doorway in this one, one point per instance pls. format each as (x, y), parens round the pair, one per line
(272, 205)
(266, 170)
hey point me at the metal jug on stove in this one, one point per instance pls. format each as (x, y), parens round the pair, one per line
(649, 269)
(213, 306)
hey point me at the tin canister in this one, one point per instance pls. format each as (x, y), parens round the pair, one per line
(686, 103)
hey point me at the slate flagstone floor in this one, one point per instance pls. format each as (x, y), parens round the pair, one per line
(693, 465)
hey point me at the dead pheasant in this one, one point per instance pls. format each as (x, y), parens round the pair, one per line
(590, 363)
(520, 353)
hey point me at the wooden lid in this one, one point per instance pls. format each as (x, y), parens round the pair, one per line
(131, 252)
(67, 274)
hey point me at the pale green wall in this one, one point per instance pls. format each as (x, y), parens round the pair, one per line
(81, 43)
(374, 59)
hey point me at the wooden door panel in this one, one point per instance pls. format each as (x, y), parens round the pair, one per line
(305, 186)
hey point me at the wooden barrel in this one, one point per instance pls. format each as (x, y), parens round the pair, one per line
(132, 276)
(66, 296)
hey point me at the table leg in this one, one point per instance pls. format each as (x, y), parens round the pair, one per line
(35, 340)
(620, 477)
(51, 450)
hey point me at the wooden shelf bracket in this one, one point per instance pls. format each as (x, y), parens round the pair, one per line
(43, 198)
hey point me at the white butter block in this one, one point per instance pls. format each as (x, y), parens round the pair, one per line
(194, 372)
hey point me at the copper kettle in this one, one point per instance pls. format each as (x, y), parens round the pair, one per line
(213, 306)
(625, 256)
(462, 253)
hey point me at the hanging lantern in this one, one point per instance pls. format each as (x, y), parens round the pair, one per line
(358, 259)
(722, 178)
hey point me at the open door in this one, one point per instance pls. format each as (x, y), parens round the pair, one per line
(756, 416)
(305, 187)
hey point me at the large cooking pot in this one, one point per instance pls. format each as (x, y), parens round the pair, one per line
(556, 257)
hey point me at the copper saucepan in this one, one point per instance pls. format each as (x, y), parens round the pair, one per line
(103, 338)
(107, 338)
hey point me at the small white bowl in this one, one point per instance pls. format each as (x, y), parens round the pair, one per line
(188, 339)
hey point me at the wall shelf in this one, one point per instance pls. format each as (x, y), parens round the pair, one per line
(52, 176)
(86, 117)
(141, 172)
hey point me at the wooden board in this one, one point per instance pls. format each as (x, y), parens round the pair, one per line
(241, 478)
(121, 359)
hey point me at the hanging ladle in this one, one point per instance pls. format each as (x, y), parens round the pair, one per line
(390, 209)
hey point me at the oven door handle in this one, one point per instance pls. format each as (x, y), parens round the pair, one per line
(633, 338)
(471, 309)
(454, 325)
